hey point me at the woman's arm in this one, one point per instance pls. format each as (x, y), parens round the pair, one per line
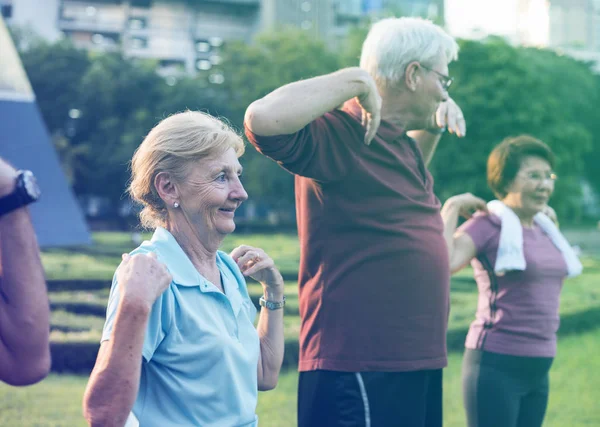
(461, 248)
(113, 385)
(270, 334)
(254, 262)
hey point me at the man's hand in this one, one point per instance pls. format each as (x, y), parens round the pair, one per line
(142, 278)
(370, 102)
(8, 176)
(467, 204)
(450, 116)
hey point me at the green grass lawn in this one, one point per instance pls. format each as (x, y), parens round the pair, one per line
(573, 398)
(575, 377)
(100, 260)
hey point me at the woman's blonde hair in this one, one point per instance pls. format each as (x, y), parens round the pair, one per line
(169, 147)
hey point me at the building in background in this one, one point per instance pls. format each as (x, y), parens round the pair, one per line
(575, 29)
(42, 16)
(521, 22)
(186, 35)
(25, 143)
(569, 26)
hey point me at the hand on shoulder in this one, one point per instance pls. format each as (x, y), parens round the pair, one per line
(256, 263)
(142, 278)
(466, 204)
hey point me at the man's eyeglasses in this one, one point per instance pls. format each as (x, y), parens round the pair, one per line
(445, 80)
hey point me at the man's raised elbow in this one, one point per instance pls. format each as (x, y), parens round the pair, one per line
(28, 372)
(256, 119)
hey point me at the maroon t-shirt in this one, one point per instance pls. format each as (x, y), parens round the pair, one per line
(374, 274)
(517, 313)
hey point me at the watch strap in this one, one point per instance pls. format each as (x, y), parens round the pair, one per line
(271, 305)
(17, 199)
(436, 131)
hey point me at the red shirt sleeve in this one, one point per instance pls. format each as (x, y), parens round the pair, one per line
(325, 150)
(481, 228)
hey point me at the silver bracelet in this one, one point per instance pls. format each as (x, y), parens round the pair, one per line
(271, 305)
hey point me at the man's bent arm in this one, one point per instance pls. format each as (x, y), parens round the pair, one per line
(24, 308)
(291, 107)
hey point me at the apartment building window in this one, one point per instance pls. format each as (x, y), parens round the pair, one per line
(203, 64)
(215, 41)
(141, 3)
(138, 42)
(105, 40)
(7, 10)
(216, 78)
(203, 46)
(137, 23)
(98, 39)
(91, 11)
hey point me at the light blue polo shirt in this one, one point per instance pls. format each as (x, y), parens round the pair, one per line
(201, 349)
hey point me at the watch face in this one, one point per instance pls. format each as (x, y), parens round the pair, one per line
(31, 185)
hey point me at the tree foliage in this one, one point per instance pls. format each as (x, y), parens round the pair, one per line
(503, 90)
(251, 72)
(506, 91)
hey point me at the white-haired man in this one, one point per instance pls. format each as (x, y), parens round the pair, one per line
(374, 274)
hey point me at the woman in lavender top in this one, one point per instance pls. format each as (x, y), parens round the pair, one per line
(512, 341)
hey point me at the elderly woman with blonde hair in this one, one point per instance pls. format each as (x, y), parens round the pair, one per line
(179, 346)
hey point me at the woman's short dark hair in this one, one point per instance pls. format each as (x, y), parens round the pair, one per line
(505, 160)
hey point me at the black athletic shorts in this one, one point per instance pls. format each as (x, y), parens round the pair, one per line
(370, 399)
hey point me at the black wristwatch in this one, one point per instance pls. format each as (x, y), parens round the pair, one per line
(436, 131)
(26, 191)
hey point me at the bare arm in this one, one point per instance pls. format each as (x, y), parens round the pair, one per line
(270, 334)
(461, 248)
(448, 115)
(291, 107)
(24, 308)
(113, 385)
(254, 262)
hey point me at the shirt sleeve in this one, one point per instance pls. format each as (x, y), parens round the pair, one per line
(324, 150)
(481, 228)
(158, 321)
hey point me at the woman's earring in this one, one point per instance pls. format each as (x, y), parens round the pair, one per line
(175, 205)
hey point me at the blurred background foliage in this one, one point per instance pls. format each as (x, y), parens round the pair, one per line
(99, 107)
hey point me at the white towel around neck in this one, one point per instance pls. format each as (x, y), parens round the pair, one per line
(510, 248)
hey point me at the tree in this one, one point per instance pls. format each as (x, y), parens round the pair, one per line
(505, 91)
(55, 71)
(251, 72)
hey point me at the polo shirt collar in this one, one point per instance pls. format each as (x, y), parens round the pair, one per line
(185, 274)
(169, 252)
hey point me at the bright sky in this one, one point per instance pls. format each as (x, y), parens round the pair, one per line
(466, 18)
